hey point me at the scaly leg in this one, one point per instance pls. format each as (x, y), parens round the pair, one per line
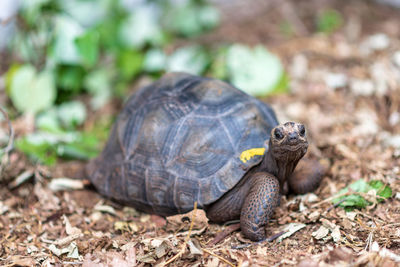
(306, 177)
(259, 205)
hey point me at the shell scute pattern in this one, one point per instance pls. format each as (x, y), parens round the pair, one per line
(179, 141)
(201, 148)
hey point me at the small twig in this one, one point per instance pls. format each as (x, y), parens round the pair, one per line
(231, 222)
(10, 144)
(275, 236)
(269, 239)
(222, 235)
(329, 199)
(335, 205)
(183, 247)
(217, 256)
(370, 217)
(391, 224)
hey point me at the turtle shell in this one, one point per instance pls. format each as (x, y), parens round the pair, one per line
(180, 140)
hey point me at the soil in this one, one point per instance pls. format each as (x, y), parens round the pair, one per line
(344, 87)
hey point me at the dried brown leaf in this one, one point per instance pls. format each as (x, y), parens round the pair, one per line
(69, 229)
(178, 221)
(46, 197)
(321, 232)
(22, 261)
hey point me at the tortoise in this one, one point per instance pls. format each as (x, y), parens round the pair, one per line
(187, 139)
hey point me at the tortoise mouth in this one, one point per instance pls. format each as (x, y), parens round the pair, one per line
(290, 151)
(293, 147)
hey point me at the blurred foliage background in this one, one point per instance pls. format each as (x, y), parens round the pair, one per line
(66, 59)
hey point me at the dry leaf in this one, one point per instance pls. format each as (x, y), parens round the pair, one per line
(328, 224)
(347, 224)
(68, 239)
(105, 209)
(147, 258)
(340, 254)
(214, 262)
(145, 218)
(22, 261)
(3, 208)
(130, 227)
(200, 221)
(194, 250)
(46, 197)
(22, 178)
(351, 215)
(321, 232)
(336, 235)
(314, 216)
(161, 250)
(69, 229)
(384, 252)
(62, 184)
(290, 229)
(310, 198)
(111, 259)
(71, 250)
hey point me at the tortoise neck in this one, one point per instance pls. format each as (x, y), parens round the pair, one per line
(281, 168)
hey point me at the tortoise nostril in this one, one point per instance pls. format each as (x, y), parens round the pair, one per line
(293, 136)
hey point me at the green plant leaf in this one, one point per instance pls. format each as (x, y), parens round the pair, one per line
(329, 21)
(32, 9)
(30, 91)
(48, 121)
(98, 83)
(109, 31)
(155, 60)
(208, 17)
(356, 201)
(86, 13)
(255, 71)
(86, 147)
(70, 77)
(360, 186)
(183, 20)
(190, 19)
(42, 152)
(129, 63)
(190, 59)
(283, 84)
(88, 47)
(142, 27)
(71, 114)
(218, 67)
(45, 146)
(385, 192)
(64, 49)
(381, 189)
(9, 76)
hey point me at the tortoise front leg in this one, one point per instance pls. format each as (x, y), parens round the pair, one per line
(259, 205)
(228, 207)
(306, 177)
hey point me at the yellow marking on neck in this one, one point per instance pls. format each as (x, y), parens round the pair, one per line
(249, 153)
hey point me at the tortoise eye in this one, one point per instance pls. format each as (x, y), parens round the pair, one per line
(278, 134)
(302, 130)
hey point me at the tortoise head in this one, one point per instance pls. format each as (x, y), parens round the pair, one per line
(288, 141)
